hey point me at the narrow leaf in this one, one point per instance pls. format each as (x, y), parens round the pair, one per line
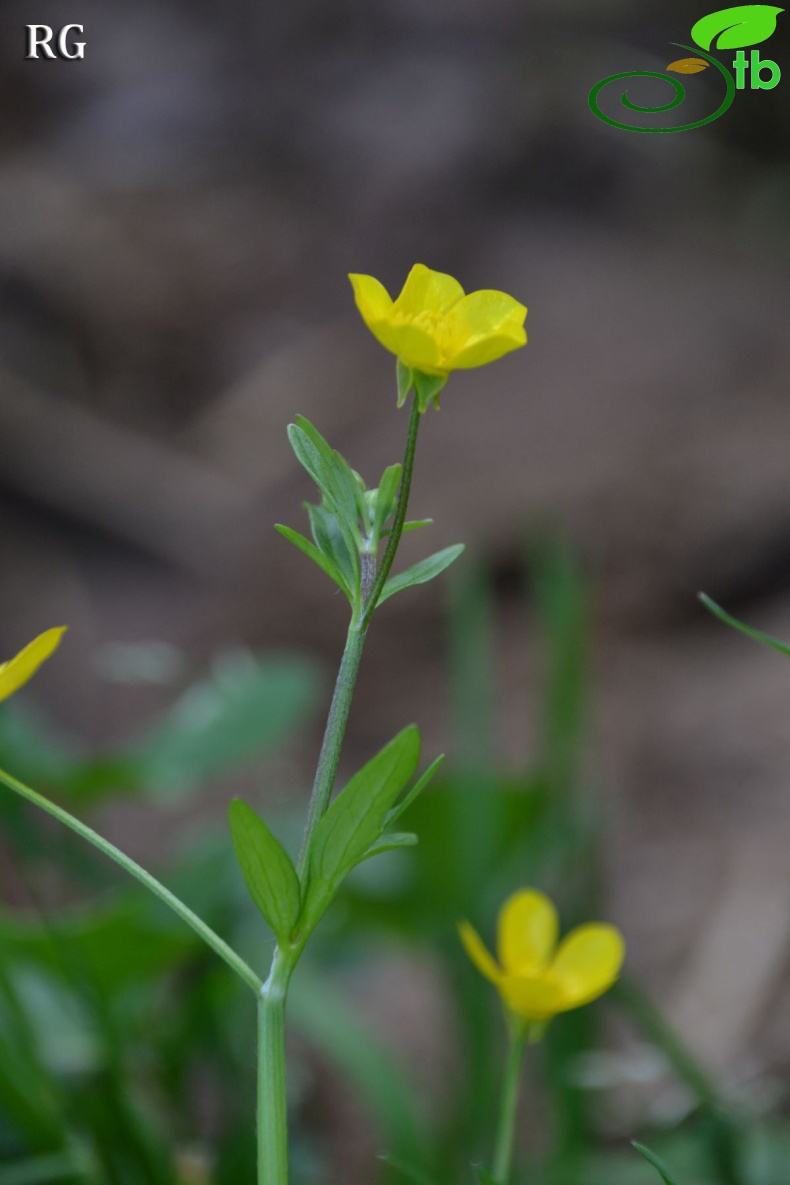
(734, 28)
(409, 1171)
(267, 869)
(315, 555)
(339, 478)
(356, 818)
(332, 542)
(205, 932)
(483, 1175)
(390, 841)
(416, 524)
(415, 791)
(657, 1164)
(422, 572)
(387, 492)
(758, 635)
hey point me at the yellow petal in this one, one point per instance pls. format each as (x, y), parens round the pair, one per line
(487, 349)
(18, 670)
(416, 347)
(533, 997)
(427, 290)
(588, 962)
(372, 298)
(486, 311)
(526, 932)
(475, 948)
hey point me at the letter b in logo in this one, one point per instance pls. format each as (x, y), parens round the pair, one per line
(758, 65)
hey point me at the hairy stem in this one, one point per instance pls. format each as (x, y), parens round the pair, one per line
(400, 515)
(329, 757)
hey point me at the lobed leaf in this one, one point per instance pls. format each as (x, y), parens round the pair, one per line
(422, 572)
(267, 869)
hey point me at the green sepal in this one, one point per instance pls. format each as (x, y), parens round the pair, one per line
(316, 555)
(657, 1164)
(422, 572)
(356, 819)
(414, 793)
(750, 631)
(428, 388)
(405, 378)
(332, 542)
(267, 870)
(390, 841)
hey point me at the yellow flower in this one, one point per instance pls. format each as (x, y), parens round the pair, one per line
(18, 670)
(435, 328)
(536, 978)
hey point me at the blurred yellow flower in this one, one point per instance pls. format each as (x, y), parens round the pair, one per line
(18, 670)
(434, 328)
(536, 978)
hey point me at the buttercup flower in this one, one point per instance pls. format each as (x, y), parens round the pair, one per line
(536, 978)
(434, 327)
(18, 670)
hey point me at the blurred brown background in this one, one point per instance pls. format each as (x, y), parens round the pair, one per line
(178, 213)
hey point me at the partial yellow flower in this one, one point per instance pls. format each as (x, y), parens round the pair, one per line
(535, 977)
(18, 670)
(434, 328)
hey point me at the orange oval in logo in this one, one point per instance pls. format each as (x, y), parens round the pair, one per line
(688, 65)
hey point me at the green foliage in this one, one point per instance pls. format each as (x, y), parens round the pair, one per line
(734, 28)
(758, 635)
(319, 557)
(422, 572)
(112, 1011)
(267, 869)
(355, 821)
(657, 1164)
(242, 709)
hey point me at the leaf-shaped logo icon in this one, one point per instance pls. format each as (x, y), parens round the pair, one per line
(688, 65)
(748, 24)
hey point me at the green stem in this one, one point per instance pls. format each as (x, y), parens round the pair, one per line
(333, 738)
(503, 1154)
(349, 665)
(212, 939)
(272, 1115)
(400, 515)
(272, 1103)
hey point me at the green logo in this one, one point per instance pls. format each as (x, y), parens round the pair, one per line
(731, 28)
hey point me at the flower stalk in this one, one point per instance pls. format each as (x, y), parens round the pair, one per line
(503, 1150)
